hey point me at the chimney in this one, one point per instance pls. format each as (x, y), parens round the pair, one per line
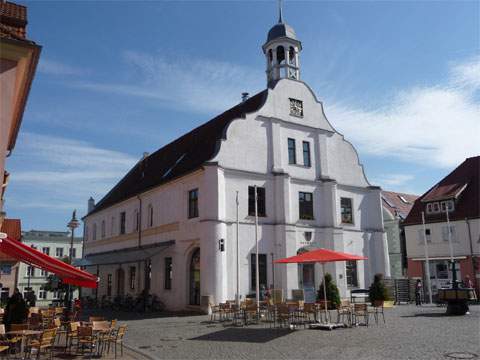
(244, 96)
(145, 155)
(91, 204)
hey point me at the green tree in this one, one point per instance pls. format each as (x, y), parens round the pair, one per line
(377, 291)
(333, 295)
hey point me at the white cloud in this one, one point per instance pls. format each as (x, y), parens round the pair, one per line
(435, 126)
(199, 85)
(394, 179)
(52, 67)
(60, 173)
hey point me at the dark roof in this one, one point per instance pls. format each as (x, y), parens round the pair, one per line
(180, 157)
(398, 204)
(467, 204)
(13, 228)
(13, 21)
(281, 30)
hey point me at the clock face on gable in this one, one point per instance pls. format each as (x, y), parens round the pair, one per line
(296, 107)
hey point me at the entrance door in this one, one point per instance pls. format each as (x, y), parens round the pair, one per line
(120, 282)
(195, 278)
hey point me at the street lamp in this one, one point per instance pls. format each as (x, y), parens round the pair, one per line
(72, 225)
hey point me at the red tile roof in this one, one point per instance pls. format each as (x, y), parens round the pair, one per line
(180, 157)
(13, 18)
(13, 228)
(395, 204)
(462, 184)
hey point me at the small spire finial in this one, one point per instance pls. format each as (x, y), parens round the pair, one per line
(280, 11)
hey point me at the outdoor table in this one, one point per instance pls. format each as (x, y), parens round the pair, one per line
(24, 334)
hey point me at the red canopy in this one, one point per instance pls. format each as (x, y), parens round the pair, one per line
(320, 256)
(68, 273)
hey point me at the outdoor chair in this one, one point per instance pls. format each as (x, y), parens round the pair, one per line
(85, 339)
(361, 310)
(310, 310)
(35, 321)
(72, 334)
(113, 323)
(344, 312)
(117, 338)
(13, 342)
(60, 328)
(378, 310)
(215, 312)
(250, 313)
(45, 343)
(283, 315)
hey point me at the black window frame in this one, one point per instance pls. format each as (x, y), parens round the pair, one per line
(133, 276)
(307, 160)
(292, 151)
(262, 270)
(109, 285)
(343, 208)
(261, 201)
(167, 283)
(123, 219)
(193, 204)
(351, 273)
(305, 206)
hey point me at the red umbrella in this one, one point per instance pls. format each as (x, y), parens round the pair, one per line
(320, 256)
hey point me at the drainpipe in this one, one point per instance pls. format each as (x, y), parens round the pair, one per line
(471, 251)
(139, 220)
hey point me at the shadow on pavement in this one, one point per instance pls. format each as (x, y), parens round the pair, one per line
(244, 335)
(125, 315)
(433, 315)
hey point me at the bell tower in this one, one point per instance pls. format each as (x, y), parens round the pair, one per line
(282, 51)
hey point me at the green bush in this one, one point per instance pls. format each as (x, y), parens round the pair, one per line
(333, 295)
(377, 291)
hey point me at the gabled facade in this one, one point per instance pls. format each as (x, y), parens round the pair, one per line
(459, 192)
(170, 225)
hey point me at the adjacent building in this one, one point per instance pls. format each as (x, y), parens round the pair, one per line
(396, 207)
(458, 194)
(18, 61)
(8, 265)
(181, 223)
(52, 243)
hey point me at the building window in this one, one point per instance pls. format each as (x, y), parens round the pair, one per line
(59, 252)
(150, 215)
(351, 271)
(447, 205)
(428, 235)
(109, 285)
(292, 157)
(72, 252)
(133, 274)
(30, 271)
(5, 269)
(122, 222)
(94, 230)
(262, 270)
(168, 273)
(44, 273)
(306, 154)
(42, 294)
(296, 107)
(46, 250)
(305, 205)
(136, 218)
(103, 229)
(260, 201)
(55, 294)
(112, 226)
(193, 203)
(346, 210)
(429, 208)
(445, 232)
(436, 207)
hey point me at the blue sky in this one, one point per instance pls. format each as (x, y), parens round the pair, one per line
(401, 81)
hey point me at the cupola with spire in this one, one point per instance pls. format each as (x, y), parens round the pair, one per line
(281, 51)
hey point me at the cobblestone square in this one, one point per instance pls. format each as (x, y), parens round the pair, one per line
(410, 333)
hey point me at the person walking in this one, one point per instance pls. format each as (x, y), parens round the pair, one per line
(418, 293)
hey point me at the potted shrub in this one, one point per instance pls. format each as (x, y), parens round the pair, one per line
(333, 295)
(378, 292)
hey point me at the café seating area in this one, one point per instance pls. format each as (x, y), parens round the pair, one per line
(48, 333)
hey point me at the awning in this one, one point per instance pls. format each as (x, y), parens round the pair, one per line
(68, 273)
(320, 256)
(124, 256)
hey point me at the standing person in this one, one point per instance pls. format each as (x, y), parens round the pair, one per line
(467, 282)
(418, 293)
(16, 311)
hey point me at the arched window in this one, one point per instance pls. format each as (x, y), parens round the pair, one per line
(103, 229)
(150, 215)
(291, 55)
(270, 56)
(94, 232)
(280, 55)
(135, 220)
(112, 226)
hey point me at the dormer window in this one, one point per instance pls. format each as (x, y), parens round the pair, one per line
(436, 207)
(296, 107)
(448, 204)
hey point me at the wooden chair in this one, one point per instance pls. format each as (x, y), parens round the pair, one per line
(85, 338)
(344, 312)
(45, 343)
(113, 323)
(35, 321)
(117, 338)
(361, 310)
(283, 314)
(72, 334)
(57, 322)
(377, 310)
(11, 342)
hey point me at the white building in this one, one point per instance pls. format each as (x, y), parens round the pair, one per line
(52, 243)
(170, 224)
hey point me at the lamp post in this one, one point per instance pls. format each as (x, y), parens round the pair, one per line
(72, 225)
